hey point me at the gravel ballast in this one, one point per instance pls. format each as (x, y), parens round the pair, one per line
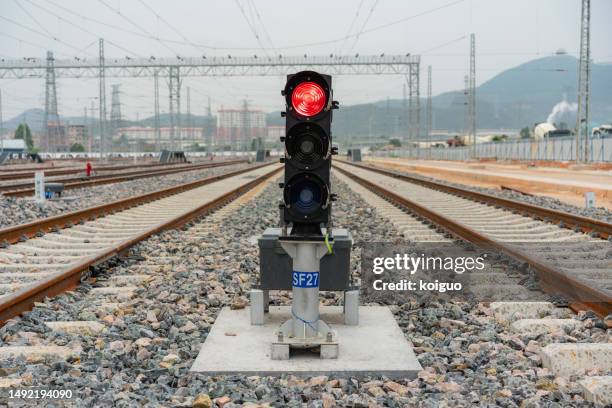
(598, 213)
(17, 210)
(151, 340)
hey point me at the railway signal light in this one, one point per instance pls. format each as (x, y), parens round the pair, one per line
(308, 149)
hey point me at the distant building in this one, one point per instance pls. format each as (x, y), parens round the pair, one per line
(237, 127)
(145, 136)
(78, 134)
(274, 133)
(56, 138)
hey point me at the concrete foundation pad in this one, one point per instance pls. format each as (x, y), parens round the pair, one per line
(565, 359)
(511, 311)
(78, 327)
(542, 326)
(10, 382)
(597, 390)
(375, 347)
(36, 354)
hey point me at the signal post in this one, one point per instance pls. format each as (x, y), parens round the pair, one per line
(306, 254)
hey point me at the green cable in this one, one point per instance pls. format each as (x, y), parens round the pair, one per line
(329, 247)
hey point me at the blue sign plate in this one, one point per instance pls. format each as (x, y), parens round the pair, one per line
(305, 279)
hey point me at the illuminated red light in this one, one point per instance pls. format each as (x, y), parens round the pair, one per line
(308, 99)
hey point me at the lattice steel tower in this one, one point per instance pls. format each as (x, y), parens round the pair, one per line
(174, 95)
(189, 119)
(429, 110)
(584, 84)
(102, 101)
(414, 104)
(472, 93)
(466, 105)
(115, 115)
(53, 129)
(156, 112)
(1, 119)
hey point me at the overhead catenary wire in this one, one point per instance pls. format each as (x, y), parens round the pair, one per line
(21, 40)
(263, 25)
(85, 30)
(123, 16)
(42, 27)
(282, 47)
(40, 33)
(365, 23)
(350, 29)
(252, 28)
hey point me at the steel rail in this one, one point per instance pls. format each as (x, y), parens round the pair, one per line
(562, 219)
(16, 174)
(26, 189)
(17, 233)
(24, 299)
(551, 279)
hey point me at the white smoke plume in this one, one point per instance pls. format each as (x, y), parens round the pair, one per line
(564, 111)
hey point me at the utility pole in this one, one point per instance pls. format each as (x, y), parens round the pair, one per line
(86, 130)
(1, 120)
(171, 108)
(246, 124)
(174, 84)
(53, 132)
(178, 108)
(156, 112)
(102, 100)
(92, 122)
(429, 110)
(414, 103)
(115, 115)
(472, 109)
(466, 105)
(209, 128)
(388, 118)
(405, 128)
(584, 84)
(189, 121)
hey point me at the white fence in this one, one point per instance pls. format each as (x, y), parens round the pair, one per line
(557, 149)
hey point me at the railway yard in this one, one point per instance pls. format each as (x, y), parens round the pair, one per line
(111, 293)
(256, 204)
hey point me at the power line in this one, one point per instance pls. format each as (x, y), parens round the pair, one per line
(253, 30)
(263, 26)
(168, 24)
(286, 47)
(463, 37)
(27, 42)
(149, 36)
(39, 33)
(353, 21)
(33, 19)
(137, 26)
(365, 23)
(82, 29)
(379, 27)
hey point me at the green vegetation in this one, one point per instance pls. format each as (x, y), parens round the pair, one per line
(23, 132)
(77, 148)
(395, 142)
(525, 133)
(256, 143)
(499, 138)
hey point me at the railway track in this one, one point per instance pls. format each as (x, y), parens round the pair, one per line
(49, 256)
(567, 252)
(27, 189)
(63, 170)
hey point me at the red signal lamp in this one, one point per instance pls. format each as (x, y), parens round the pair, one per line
(308, 99)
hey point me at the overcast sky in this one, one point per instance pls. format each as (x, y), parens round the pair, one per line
(508, 33)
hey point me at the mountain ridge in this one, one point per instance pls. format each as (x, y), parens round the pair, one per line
(517, 97)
